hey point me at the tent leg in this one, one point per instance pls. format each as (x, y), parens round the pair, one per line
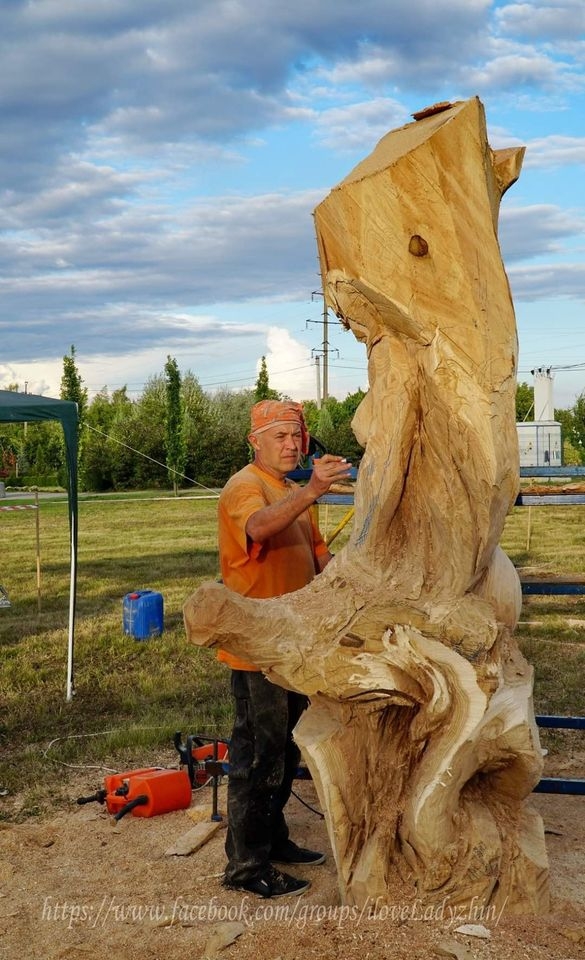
(38, 538)
(72, 598)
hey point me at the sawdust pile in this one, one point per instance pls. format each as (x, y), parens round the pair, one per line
(74, 887)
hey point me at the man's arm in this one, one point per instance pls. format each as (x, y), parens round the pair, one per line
(276, 517)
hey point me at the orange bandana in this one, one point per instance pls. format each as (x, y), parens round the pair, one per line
(269, 413)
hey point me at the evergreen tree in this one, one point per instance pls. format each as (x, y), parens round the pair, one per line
(174, 423)
(263, 390)
(72, 388)
(72, 385)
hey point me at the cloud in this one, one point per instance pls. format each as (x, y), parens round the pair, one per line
(13, 373)
(547, 281)
(510, 71)
(359, 125)
(142, 263)
(74, 189)
(291, 369)
(130, 355)
(145, 76)
(537, 230)
(563, 19)
(555, 151)
(140, 149)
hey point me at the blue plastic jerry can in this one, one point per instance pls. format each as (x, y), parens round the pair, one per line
(143, 614)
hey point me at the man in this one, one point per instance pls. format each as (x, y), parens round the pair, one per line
(269, 544)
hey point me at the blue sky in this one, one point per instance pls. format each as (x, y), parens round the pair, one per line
(160, 161)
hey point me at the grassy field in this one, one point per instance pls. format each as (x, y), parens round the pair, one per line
(132, 696)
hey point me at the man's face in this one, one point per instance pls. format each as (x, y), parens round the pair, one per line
(278, 449)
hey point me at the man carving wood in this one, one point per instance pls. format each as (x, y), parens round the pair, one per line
(269, 545)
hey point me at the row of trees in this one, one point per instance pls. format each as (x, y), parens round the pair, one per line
(175, 433)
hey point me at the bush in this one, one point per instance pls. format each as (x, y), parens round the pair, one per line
(40, 480)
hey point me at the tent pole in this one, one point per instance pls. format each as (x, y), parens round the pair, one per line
(38, 535)
(72, 591)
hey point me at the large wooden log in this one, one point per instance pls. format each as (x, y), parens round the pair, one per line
(420, 736)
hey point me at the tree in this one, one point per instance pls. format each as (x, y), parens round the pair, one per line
(98, 452)
(571, 451)
(332, 425)
(72, 385)
(326, 424)
(311, 415)
(262, 390)
(571, 456)
(227, 445)
(524, 402)
(72, 389)
(196, 405)
(42, 453)
(31, 453)
(143, 429)
(576, 425)
(174, 423)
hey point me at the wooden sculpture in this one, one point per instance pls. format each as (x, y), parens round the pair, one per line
(420, 736)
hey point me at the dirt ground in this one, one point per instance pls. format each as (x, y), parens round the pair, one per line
(77, 887)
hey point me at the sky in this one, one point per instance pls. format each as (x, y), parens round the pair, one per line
(160, 161)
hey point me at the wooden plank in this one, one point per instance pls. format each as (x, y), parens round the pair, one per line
(194, 839)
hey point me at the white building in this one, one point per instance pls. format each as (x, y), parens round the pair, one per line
(540, 444)
(540, 441)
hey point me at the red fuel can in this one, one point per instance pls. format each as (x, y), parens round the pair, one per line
(147, 792)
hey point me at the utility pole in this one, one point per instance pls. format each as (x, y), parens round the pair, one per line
(325, 351)
(322, 395)
(25, 423)
(318, 369)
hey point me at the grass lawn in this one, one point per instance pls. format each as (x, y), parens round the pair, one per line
(132, 696)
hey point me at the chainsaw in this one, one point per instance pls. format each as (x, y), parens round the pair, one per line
(206, 759)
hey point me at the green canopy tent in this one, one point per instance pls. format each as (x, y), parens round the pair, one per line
(26, 407)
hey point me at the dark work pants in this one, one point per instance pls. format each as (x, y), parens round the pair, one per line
(263, 760)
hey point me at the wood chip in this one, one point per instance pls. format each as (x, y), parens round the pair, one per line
(451, 948)
(197, 814)
(474, 930)
(575, 934)
(221, 936)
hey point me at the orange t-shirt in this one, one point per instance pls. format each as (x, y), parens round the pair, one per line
(285, 562)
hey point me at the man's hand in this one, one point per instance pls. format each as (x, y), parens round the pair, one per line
(327, 470)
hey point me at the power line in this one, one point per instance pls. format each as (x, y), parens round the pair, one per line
(555, 369)
(152, 459)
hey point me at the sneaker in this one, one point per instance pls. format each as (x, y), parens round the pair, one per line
(272, 883)
(290, 853)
